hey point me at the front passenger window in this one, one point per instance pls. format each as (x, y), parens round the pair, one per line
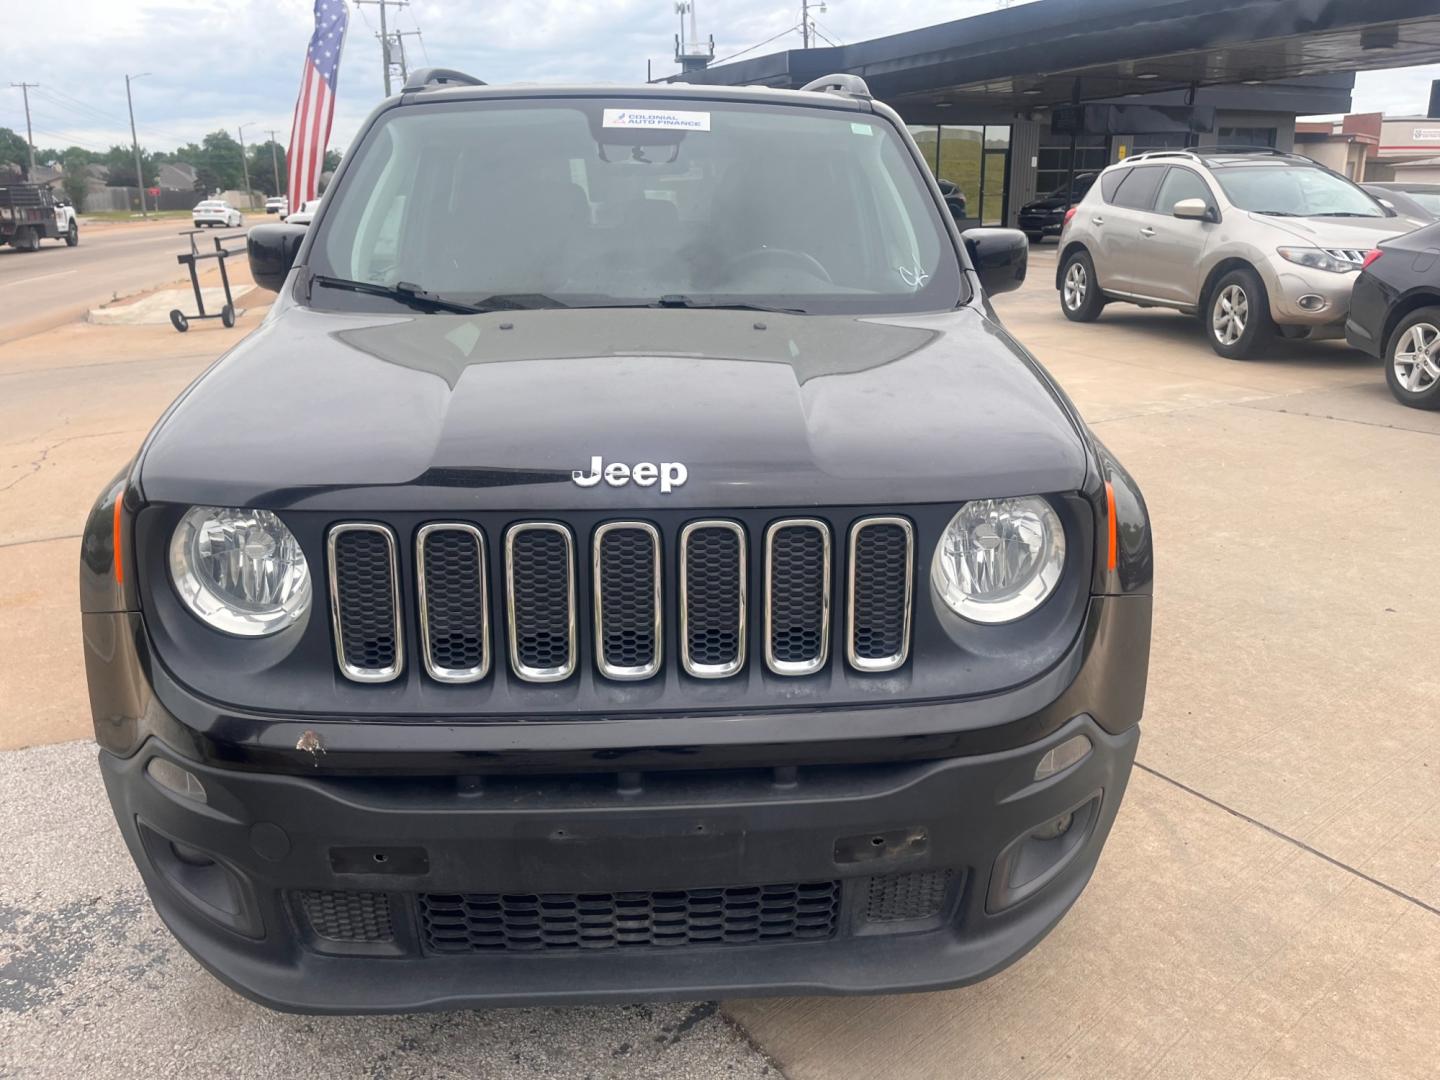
(1181, 184)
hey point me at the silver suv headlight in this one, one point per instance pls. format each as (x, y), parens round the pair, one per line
(1317, 259)
(999, 559)
(241, 571)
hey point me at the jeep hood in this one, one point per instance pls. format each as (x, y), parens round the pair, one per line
(318, 410)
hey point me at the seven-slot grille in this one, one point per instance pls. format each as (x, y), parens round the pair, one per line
(736, 915)
(540, 602)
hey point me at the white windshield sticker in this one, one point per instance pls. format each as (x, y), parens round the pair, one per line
(862, 129)
(667, 120)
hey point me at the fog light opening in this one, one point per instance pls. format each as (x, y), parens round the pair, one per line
(190, 856)
(1054, 828)
(1059, 758)
(173, 778)
(1311, 302)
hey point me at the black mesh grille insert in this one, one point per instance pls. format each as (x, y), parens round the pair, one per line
(454, 601)
(540, 589)
(713, 597)
(348, 916)
(881, 592)
(747, 915)
(900, 897)
(366, 599)
(798, 593)
(627, 600)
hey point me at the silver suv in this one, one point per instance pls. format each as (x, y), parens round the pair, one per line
(1253, 240)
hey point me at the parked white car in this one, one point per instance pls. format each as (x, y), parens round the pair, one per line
(216, 212)
(305, 214)
(275, 205)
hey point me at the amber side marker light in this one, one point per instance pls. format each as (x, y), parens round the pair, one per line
(1110, 510)
(115, 542)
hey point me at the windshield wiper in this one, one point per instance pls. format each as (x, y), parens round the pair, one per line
(677, 300)
(1277, 213)
(519, 302)
(403, 291)
(1347, 213)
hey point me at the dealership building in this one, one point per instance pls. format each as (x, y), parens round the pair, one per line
(1012, 103)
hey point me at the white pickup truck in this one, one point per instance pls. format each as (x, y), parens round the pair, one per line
(30, 213)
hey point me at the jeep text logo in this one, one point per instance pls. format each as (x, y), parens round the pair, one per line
(671, 474)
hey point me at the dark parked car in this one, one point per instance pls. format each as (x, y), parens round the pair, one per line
(1046, 215)
(630, 561)
(955, 200)
(1395, 315)
(1419, 202)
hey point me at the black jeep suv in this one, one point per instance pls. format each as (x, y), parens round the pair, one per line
(630, 561)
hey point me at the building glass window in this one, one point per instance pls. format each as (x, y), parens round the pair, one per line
(973, 157)
(1092, 153)
(1246, 136)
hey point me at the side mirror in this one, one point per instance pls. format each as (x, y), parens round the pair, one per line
(272, 250)
(1193, 210)
(999, 256)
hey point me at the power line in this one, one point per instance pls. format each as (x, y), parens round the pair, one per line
(759, 45)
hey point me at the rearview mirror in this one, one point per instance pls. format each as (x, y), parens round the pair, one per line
(272, 250)
(1192, 209)
(999, 257)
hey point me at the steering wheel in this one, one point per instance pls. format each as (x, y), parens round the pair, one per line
(795, 258)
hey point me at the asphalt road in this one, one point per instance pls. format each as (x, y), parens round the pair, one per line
(92, 984)
(56, 284)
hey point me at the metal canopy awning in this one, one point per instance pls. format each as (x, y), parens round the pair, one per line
(1057, 51)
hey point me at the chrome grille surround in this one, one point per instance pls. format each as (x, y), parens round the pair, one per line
(552, 673)
(817, 662)
(633, 672)
(895, 660)
(687, 535)
(356, 672)
(434, 670)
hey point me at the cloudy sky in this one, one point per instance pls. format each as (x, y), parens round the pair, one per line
(229, 62)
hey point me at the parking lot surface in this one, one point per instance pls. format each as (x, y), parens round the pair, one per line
(1268, 905)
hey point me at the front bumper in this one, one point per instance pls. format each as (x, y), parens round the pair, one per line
(313, 902)
(1325, 296)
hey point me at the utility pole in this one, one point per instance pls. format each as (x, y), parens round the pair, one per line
(135, 142)
(399, 37)
(275, 161)
(245, 165)
(807, 25)
(384, 34)
(29, 135)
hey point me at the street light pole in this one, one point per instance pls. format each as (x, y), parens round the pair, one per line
(135, 142)
(275, 161)
(245, 166)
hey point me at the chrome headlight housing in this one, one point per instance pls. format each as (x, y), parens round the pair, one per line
(999, 559)
(240, 571)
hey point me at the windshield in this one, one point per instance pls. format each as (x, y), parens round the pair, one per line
(1430, 200)
(593, 202)
(1295, 192)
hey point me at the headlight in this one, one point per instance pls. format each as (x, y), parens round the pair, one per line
(999, 559)
(241, 571)
(1317, 259)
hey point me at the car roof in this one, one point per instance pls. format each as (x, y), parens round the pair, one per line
(671, 90)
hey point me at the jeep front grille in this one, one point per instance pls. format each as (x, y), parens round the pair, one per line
(544, 593)
(365, 601)
(540, 592)
(454, 610)
(797, 596)
(712, 598)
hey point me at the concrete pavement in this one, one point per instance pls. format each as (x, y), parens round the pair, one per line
(1268, 906)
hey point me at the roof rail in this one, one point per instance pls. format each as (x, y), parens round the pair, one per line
(840, 83)
(1173, 152)
(438, 76)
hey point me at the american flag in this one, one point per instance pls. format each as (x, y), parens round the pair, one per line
(315, 108)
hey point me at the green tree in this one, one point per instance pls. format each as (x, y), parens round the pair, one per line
(262, 168)
(74, 162)
(222, 160)
(120, 160)
(14, 152)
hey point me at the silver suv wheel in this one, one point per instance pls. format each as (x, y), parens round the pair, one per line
(1077, 284)
(1230, 314)
(1417, 368)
